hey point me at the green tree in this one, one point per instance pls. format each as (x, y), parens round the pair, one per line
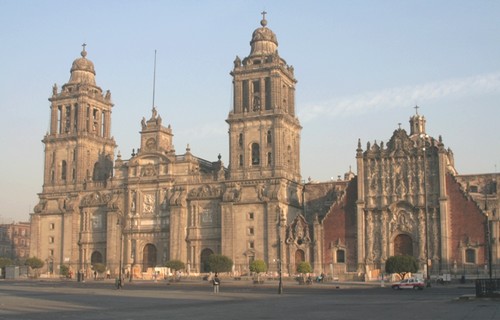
(258, 266)
(401, 265)
(35, 264)
(4, 262)
(175, 265)
(64, 270)
(219, 263)
(304, 267)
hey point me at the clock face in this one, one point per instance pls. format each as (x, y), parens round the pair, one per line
(151, 143)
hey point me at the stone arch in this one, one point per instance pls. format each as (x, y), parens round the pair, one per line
(299, 257)
(403, 245)
(149, 257)
(205, 253)
(96, 257)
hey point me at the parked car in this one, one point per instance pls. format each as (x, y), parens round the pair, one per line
(411, 283)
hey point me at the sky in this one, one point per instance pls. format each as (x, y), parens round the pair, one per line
(361, 67)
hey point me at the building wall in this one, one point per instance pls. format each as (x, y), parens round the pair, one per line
(15, 240)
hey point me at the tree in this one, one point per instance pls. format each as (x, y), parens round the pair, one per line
(304, 267)
(176, 265)
(64, 270)
(401, 265)
(258, 266)
(35, 264)
(219, 263)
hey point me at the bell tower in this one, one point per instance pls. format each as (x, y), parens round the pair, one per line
(79, 148)
(264, 133)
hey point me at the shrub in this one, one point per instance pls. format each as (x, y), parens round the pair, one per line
(401, 265)
(219, 263)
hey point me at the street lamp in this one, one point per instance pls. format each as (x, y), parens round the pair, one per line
(120, 275)
(488, 237)
(280, 255)
(427, 264)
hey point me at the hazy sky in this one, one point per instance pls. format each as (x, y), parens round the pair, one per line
(361, 67)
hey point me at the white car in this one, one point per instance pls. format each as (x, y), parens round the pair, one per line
(411, 283)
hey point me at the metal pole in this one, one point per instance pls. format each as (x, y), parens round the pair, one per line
(120, 275)
(280, 254)
(428, 284)
(488, 236)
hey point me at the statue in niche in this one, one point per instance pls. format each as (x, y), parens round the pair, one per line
(132, 202)
(148, 203)
(256, 103)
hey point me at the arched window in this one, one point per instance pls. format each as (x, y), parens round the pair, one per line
(269, 137)
(240, 140)
(269, 158)
(470, 256)
(241, 160)
(255, 154)
(63, 170)
(340, 256)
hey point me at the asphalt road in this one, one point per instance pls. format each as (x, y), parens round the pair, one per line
(240, 300)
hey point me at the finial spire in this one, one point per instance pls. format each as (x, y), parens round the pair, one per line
(154, 81)
(416, 109)
(399, 124)
(84, 53)
(263, 22)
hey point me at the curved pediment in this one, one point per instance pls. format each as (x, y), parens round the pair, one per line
(96, 199)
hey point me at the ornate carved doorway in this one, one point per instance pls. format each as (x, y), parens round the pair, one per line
(148, 257)
(403, 245)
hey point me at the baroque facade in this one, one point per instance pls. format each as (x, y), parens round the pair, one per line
(159, 205)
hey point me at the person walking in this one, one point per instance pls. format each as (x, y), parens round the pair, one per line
(216, 283)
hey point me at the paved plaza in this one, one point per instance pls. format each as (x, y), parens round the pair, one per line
(194, 299)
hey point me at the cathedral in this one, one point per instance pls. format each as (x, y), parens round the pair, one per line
(136, 214)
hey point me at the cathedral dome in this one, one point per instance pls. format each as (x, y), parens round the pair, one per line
(264, 41)
(82, 70)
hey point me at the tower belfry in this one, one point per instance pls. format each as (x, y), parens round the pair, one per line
(264, 133)
(79, 147)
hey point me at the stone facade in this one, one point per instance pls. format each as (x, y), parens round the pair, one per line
(159, 205)
(15, 240)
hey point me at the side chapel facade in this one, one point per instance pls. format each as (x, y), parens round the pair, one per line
(159, 205)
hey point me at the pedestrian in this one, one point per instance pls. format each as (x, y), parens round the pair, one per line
(216, 283)
(118, 282)
(95, 274)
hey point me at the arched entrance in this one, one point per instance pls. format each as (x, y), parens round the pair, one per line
(403, 245)
(148, 257)
(204, 258)
(96, 257)
(299, 257)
